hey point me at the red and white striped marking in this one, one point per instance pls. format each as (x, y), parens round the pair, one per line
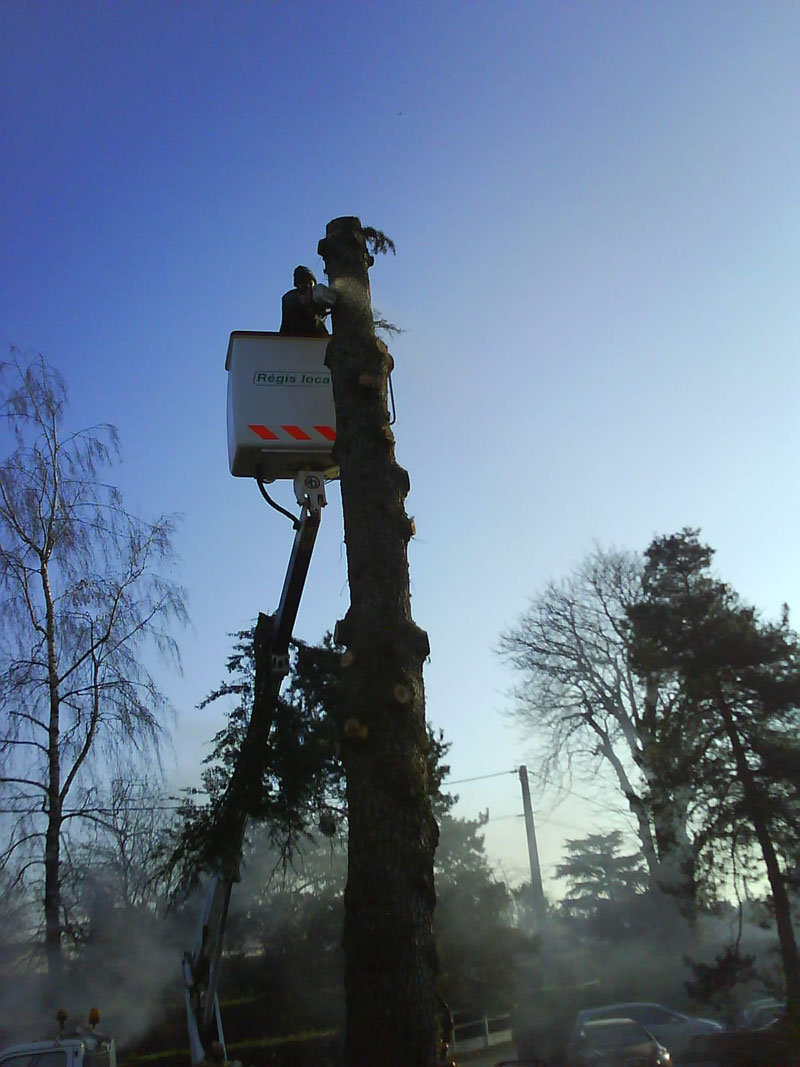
(296, 433)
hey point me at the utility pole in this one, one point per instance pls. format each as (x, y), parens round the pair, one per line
(390, 957)
(533, 851)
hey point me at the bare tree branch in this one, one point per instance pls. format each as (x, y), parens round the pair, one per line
(85, 593)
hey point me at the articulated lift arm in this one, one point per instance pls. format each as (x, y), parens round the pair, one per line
(272, 637)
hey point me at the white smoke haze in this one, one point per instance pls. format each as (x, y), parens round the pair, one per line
(132, 969)
(129, 962)
(129, 969)
(572, 972)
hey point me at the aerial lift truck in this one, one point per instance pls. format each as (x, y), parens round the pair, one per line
(281, 425)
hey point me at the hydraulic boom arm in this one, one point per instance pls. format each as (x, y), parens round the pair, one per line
(272, 636)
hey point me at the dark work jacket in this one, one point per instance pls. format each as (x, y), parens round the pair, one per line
(299, 317)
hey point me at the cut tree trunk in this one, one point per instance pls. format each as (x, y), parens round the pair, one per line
(388, 939)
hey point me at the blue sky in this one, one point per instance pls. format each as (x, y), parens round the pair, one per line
(596, 217)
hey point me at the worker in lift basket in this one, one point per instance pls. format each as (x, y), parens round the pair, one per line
(304, 308)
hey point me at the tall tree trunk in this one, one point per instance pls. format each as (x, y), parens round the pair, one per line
(635, 803)
(52, 852)
(777, 883)
(677, 866)
(676, 873)
(388, 939)
(52, 886)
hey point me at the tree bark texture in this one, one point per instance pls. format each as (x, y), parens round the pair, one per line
(388, 939)
(52, 849)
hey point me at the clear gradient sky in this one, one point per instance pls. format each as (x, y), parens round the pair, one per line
(595, 207)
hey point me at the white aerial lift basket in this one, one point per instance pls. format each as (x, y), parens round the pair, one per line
(281, 417)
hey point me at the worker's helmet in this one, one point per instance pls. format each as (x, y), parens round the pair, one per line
(303, 275)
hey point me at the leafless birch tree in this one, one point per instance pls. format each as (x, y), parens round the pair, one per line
(84, 594)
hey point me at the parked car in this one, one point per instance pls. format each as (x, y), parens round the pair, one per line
(761, 1013)
(673, 1029)
(768, 1016)
(616, 1043)
(747, 1012)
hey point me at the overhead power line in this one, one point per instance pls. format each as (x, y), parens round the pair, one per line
(477, 778)
(617, 810)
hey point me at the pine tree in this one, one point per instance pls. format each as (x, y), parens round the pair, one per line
(736, 717)
(597, 871)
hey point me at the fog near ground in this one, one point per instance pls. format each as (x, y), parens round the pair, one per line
(285, 922)
(128, 969)
(572, 972)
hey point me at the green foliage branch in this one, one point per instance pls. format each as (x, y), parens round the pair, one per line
(296, 786)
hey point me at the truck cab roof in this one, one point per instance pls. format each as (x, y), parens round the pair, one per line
(85, 1047)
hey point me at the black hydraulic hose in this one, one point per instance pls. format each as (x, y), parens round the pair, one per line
(273, 504)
